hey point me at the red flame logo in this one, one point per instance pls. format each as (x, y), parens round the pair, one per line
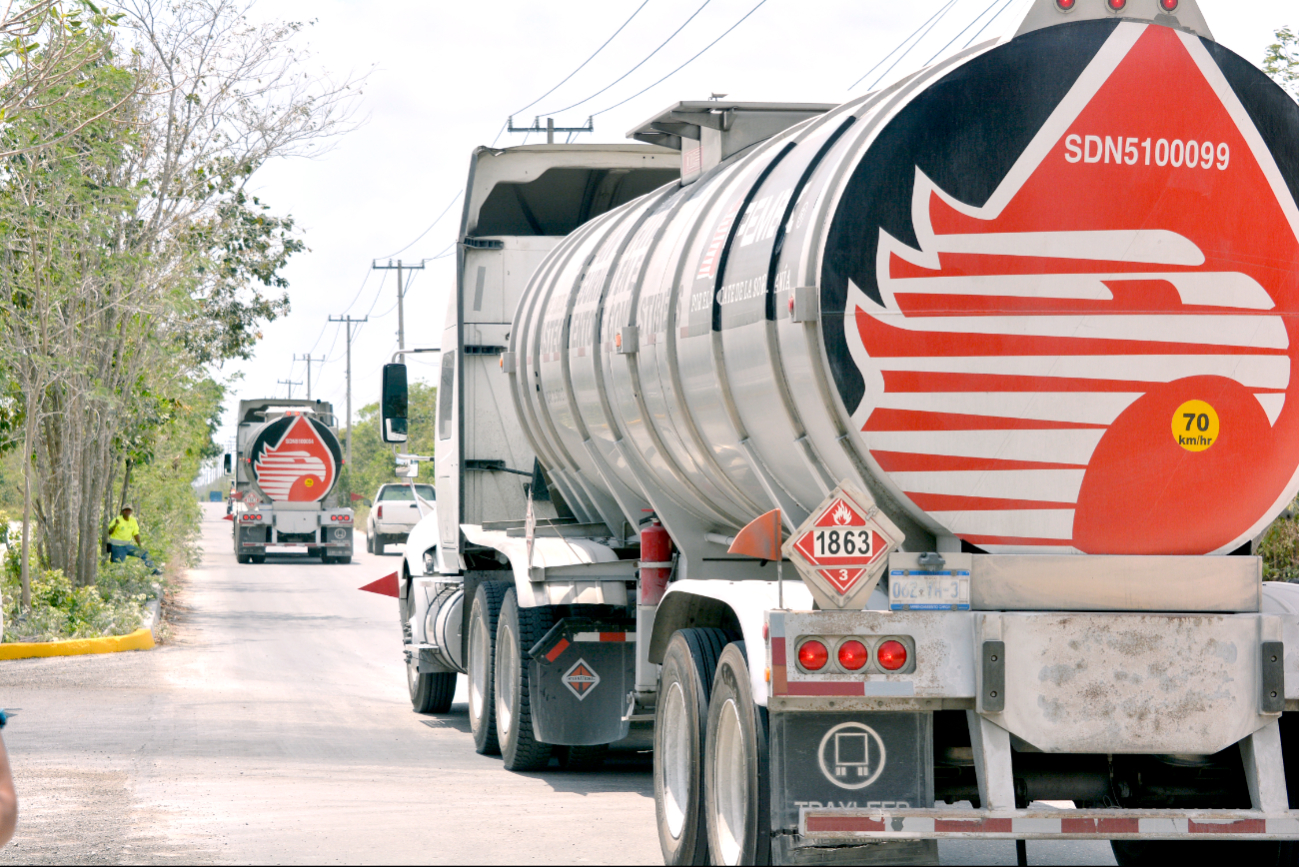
(297, 469)
(1026, 362)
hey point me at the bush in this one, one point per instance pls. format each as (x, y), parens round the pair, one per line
(1280, 550)
(115, 605)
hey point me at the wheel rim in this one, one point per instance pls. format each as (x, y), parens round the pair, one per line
(731, 784)
(507, 667)
(477, 665)
(412, 675)
(675, 760)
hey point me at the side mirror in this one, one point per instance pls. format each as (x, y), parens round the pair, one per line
(393, 404)
(230, 464)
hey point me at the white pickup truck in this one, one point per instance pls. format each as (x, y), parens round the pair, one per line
(397, 509)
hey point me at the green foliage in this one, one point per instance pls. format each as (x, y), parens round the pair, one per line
(372, 459)
(1282, 60)
(1280, 548)
(114, 605)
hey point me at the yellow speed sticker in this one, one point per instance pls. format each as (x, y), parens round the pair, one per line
(1195, 426)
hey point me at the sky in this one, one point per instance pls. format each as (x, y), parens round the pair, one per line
(441, 78)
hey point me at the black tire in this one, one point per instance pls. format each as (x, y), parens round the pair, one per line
(258, 558)
(430, 692)
(344, 560)
(516, 632)
(736, 795)
(315, 552)
(369, 543)
(1259, 853)
(242, 559)
(582, 758)
(377, 544)
(680, 729)
(483, 616)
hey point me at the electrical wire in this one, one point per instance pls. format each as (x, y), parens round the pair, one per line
(584, 62)
(902, 56)
(429, 229)
(761, 3)
(634, 68)
(1006, 6)
(898, 47)
(963, 32)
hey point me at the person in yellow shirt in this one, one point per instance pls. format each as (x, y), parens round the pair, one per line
(124, 539)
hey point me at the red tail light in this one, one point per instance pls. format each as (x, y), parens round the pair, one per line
(1117, 5)
(379, 514)
(1168, 5)
(853, 655)
(892, 655)
(812, 655)
(1065, 5)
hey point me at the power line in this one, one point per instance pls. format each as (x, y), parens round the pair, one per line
(941, 15)
(636, 67)
(431, 225)
(584, 63)
(688, 62)
(963, 32)
(1006, 6)
(899, 46)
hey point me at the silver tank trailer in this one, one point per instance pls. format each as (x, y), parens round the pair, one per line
(882, 293)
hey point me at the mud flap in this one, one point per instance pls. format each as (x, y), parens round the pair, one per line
(581, 673)
(849, 760)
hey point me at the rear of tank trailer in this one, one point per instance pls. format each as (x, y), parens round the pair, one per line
(1008, 345)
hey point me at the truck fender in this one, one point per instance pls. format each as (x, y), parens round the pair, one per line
(737, 606)
(423, 536)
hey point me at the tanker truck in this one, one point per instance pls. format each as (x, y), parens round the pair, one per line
(286, 470)
(904, 461)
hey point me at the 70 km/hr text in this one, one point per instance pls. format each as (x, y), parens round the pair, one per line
(1161, 152)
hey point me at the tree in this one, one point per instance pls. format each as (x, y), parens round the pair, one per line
(1282, 61)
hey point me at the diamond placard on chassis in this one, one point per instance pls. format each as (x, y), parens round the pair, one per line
(842, 549)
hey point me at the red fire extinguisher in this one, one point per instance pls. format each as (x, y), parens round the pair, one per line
(655, 562)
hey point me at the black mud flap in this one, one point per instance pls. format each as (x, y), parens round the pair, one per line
(849, 761)
(582, 672)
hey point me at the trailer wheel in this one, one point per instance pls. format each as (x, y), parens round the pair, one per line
(482, 663)
(685, 684)
(242, 559)
(258, 558)
(588, 758)
(430, 692)
(516, 632)
(735, 768)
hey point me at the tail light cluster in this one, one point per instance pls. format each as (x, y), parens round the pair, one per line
(250, 517)
(1116, 5)
(853, 654)
(341, 519)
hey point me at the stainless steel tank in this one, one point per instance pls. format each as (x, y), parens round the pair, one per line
(1039, 297)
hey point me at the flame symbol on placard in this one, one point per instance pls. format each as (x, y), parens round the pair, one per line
(842, 515)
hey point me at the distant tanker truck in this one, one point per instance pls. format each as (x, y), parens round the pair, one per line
(1000, 358)
(286, 469)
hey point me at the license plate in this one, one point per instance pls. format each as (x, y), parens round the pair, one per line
(929, 591)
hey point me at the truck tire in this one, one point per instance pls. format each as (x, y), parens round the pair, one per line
(582, 758)
(242, 559)
(258, 558)
(430, 692)
(680, 730)
(516, 632)
(736, 796)
(1264, 853)
(482, 665)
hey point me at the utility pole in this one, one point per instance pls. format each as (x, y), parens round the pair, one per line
(401, 312)
(309, 360)
(550, 129)
(349, 322)
(290, 383)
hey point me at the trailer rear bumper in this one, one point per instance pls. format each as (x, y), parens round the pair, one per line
(824, 827)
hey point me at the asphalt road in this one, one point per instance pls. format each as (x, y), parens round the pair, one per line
(273, 726)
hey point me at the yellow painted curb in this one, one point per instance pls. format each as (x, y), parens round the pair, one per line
(140, 639)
